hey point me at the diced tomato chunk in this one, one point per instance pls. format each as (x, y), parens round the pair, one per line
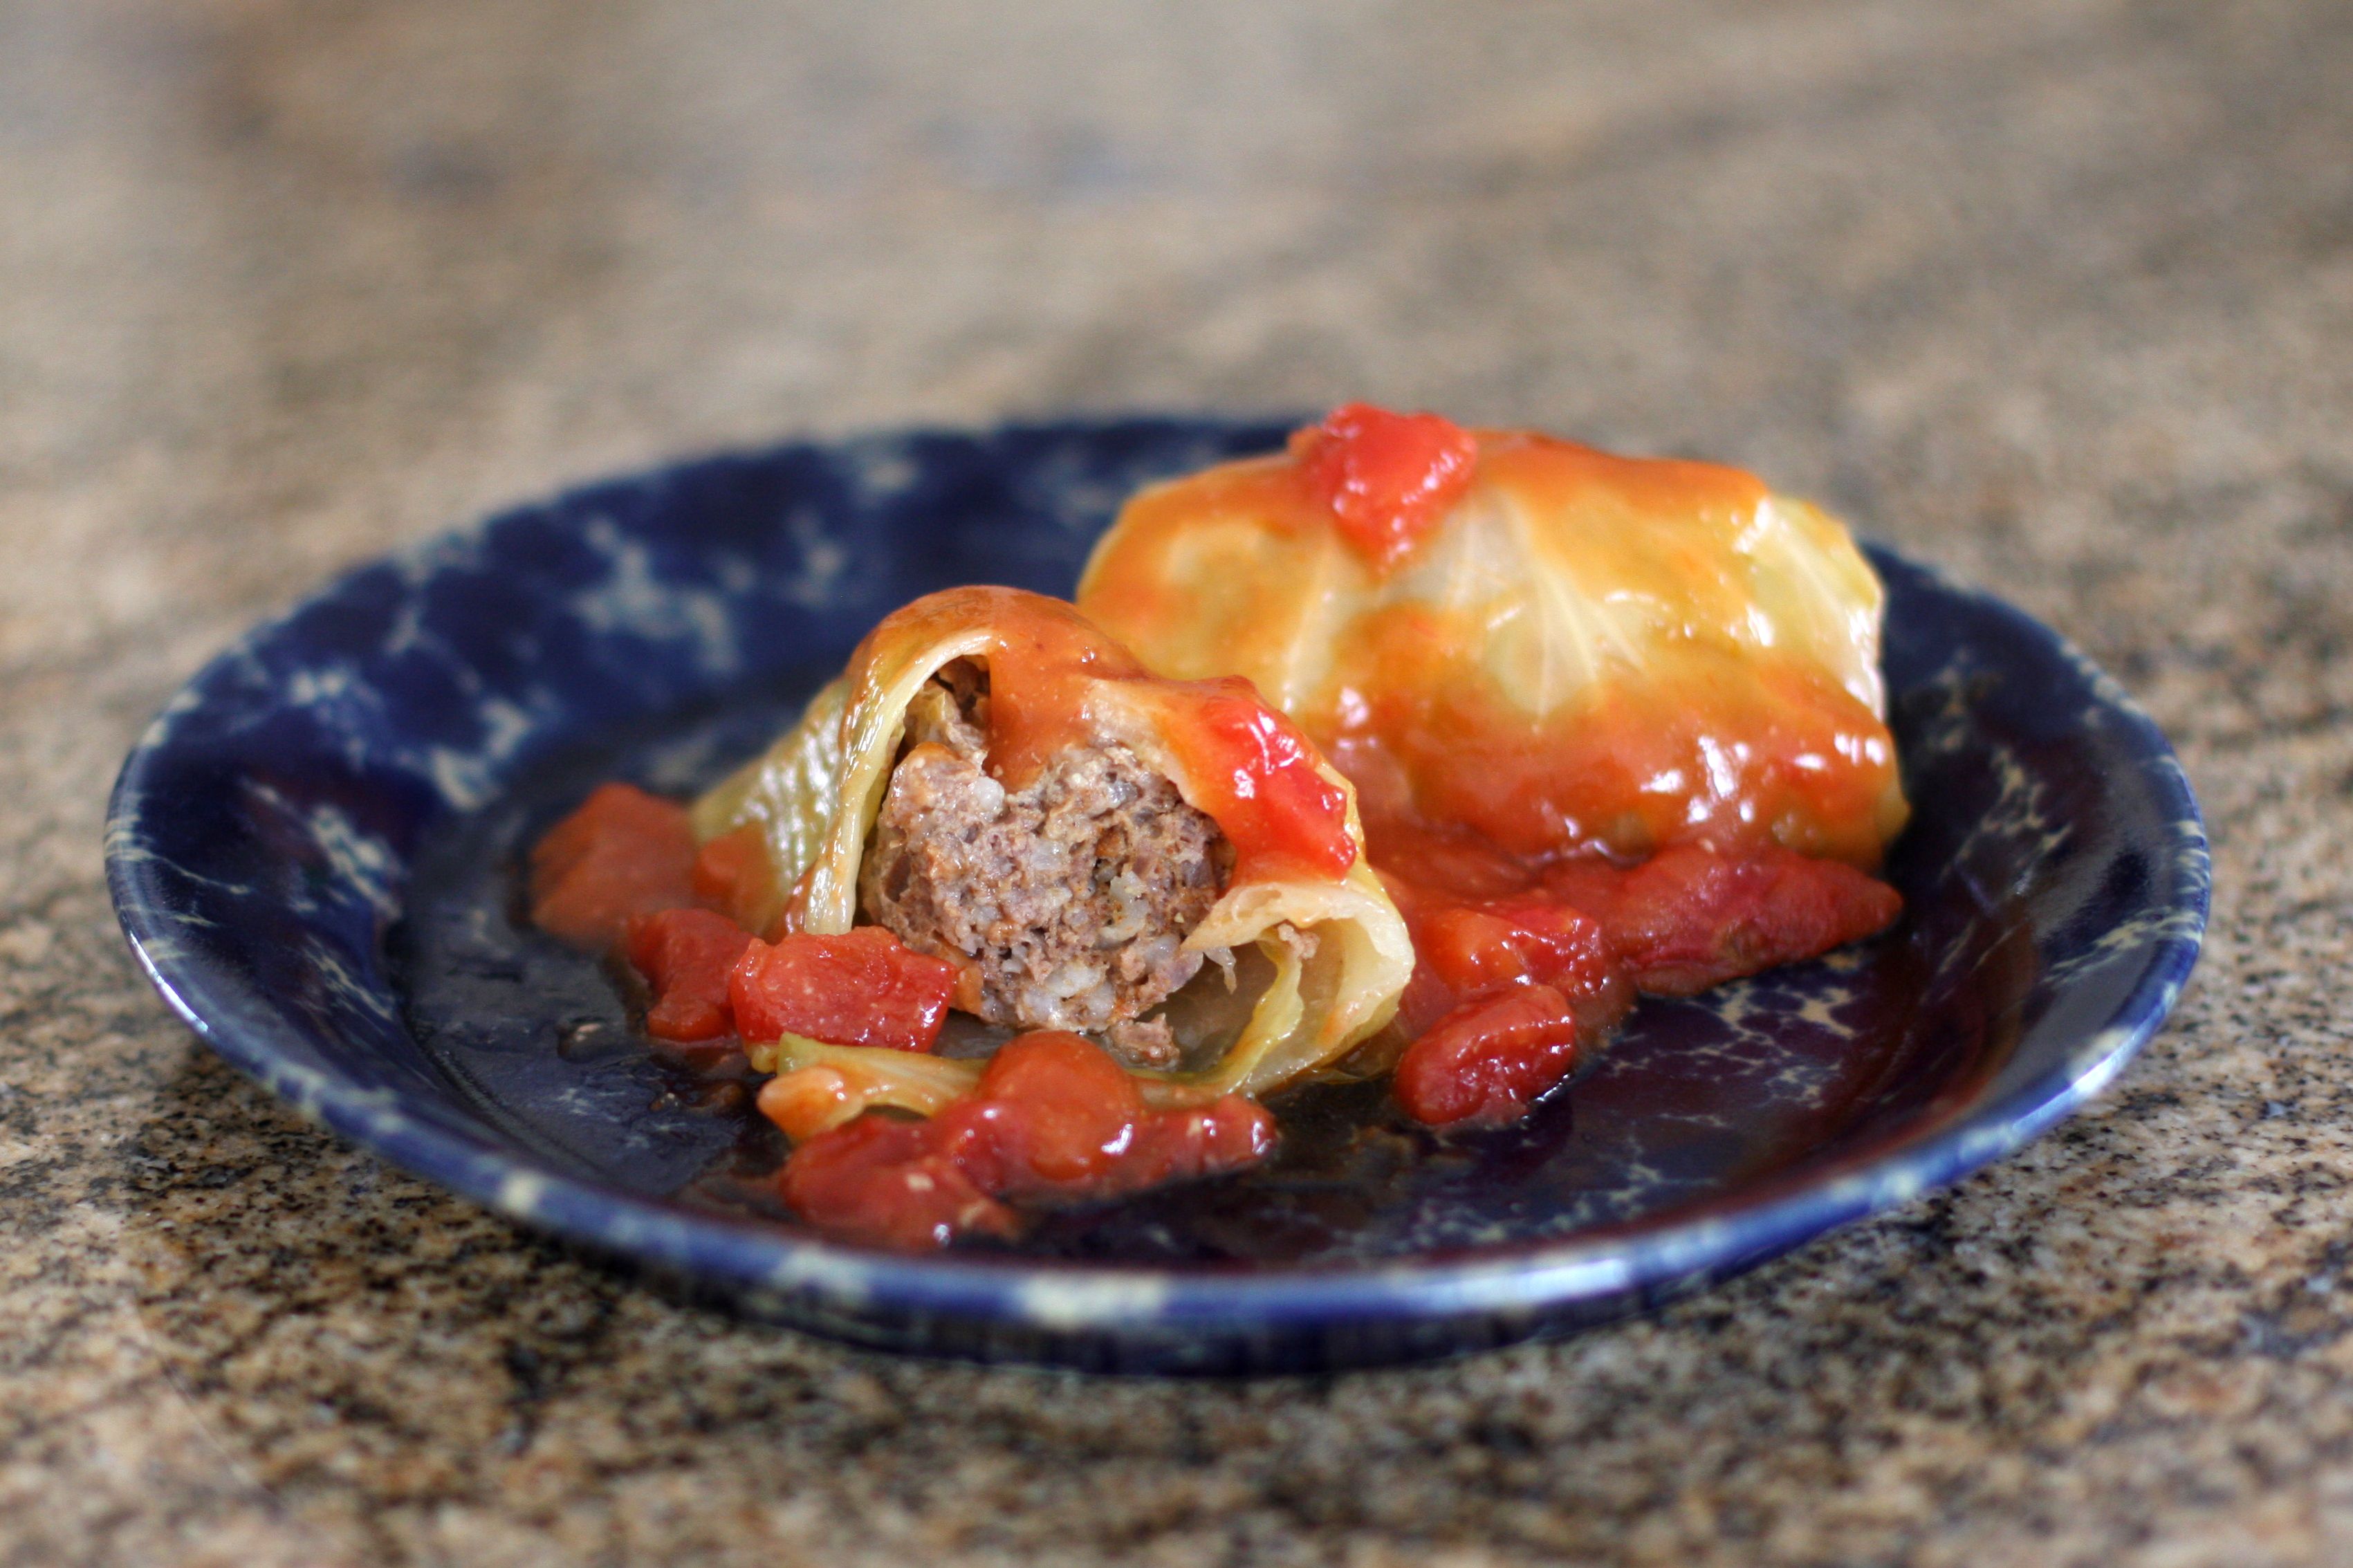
(880, 1179)
(622, 852)
(972, 1133)
(1053, 1116)
(1065, 1111)
(1487, 1061)
(686, 956)
(1387, 478)
(1465, 948)
(731, 875)
(1690, 918)
(1502, 990)
(1052, 1112)
(1228, 1134)
(1257, 775)
(863, 988)
(1589, 933)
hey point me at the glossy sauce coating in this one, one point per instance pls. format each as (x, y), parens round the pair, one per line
(1588, 652)
(1692, 917)
(884, 1181)
(1254, 774)
(1519, 965)
(1044, 663)
(1052, 1118)
(1483, 1064)
(1613, 721)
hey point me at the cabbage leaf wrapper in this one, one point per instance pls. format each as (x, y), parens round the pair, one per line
(1583, 652)
(1300, 922)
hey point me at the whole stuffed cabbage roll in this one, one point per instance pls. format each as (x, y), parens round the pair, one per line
(1165, 867)
(1550, 646)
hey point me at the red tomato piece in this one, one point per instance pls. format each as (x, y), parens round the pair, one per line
(1463, 950)
(622, 852)
(1387, 478)
(864, 987)
(732, 874)
(1569, 951)
(878, 1179)
(1227, 1134)
(1259, 781)
(1052, 1116)
(974, 1135)
(1060, 1111)
(1688, 918)
(1484, 1063)
(686, 956)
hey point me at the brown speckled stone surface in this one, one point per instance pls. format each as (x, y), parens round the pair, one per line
(2058, 292)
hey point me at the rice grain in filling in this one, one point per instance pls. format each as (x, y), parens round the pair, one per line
(1069, 898)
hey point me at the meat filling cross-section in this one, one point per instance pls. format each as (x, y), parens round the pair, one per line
(1069, 898)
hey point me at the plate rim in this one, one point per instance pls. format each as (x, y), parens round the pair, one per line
(809, 1274)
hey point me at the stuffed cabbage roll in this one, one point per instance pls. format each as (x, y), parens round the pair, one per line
(1166, 868)
(1410, 750)
(1059, 921)
(1617, 725)
(1548, 646)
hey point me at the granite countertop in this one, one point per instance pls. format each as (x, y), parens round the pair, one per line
(2056, 292)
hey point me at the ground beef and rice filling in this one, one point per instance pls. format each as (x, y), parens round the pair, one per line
(1071, 896)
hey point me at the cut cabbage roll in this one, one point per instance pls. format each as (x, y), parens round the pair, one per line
(1514, 636)
(1166, 868)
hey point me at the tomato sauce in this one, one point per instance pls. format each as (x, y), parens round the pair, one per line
(1387, 479)
(1044, 660)
(884, 1181)
(1053, 1117)
(863, 988)
(1736, 717)
(623, 853)
(1255, 775)
(1483, 1064)
(1561, 831)
(1736, 752)
(1470, 948)
(1520, 963)
(1692, 917)
(687, 957)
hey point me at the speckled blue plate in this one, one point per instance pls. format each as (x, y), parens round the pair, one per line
(312, 853)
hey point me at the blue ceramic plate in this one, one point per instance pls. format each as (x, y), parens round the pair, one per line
(313, 852)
